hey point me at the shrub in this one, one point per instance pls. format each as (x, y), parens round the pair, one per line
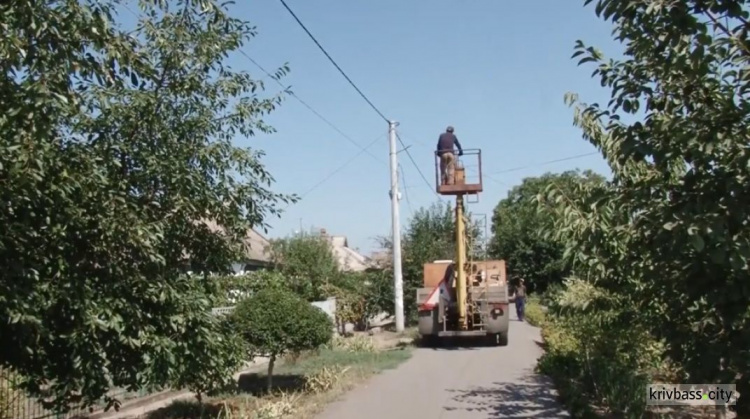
(232, 289)
(359, 296)
(534, 313)
(596, 352)
(307, 262)
(548, 297)
(275, 321)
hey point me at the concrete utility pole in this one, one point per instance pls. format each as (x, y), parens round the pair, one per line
(398, 283)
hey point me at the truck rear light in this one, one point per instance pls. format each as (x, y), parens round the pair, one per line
(498, 309)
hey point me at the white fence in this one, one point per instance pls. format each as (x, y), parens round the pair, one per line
(328, 306)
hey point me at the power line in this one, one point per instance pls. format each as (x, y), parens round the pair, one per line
(485, 175)
(334, 62)
(416, 166)
(294, 95)
(578, 156)
(375, 108)
(406, 194)
(310, 108)
(340, 168)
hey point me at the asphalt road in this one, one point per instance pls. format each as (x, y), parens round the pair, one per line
(459, 383)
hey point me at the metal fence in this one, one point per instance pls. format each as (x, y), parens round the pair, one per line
(16, 404)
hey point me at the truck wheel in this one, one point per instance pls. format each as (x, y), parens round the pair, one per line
(502, 339)
(430, 341)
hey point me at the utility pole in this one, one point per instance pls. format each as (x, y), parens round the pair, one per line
(398, 283)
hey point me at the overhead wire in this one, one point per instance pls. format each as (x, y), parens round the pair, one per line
(406, 193)
(578, 156)
(302, 25)
(427, 182)
(369, 102)
(294, 95)
(310, 108)
(340, 168)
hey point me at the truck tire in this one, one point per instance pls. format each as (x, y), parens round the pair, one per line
(499, 339)
(430, 341)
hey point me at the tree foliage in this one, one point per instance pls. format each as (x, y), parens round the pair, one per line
(307, 262)
(114, 147)
(275, 321)
(517, 224)
(231, 289)
(670, 232)
(594, 354)
(360, 296)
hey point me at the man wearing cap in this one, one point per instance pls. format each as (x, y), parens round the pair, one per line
(520, 299)
(447, 155)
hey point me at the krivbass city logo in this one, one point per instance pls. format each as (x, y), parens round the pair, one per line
(691, 394)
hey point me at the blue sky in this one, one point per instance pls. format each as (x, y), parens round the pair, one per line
(496, 70)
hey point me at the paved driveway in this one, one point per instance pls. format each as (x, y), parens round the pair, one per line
(458, 383)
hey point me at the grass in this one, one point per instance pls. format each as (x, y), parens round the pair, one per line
(302, 385)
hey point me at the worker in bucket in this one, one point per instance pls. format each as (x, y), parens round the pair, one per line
(520, 299)
(447, 155)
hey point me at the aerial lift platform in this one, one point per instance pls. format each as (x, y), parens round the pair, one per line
(463, 297)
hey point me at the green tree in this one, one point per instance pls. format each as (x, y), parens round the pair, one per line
(517, 224)
(361, 295)
(275, 321)
(232, 288)
(670, 230)
(307, 262)
(379, 294)
(114, 147)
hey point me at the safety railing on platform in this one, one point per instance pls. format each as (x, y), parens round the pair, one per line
(471, 164)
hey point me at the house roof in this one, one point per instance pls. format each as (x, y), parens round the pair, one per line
(348, 258)
(382, 258)
(256, 245)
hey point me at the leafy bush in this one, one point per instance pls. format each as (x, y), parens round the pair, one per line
(550, 294)
(224, 354)
(359, 296)
(595, 353)
(307, 262)
(232, 289)
(534, 313)
(379, 291)
(275, 321)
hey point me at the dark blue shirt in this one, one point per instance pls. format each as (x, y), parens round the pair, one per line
(446, 142)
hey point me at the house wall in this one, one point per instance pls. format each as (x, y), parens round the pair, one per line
(328, 306)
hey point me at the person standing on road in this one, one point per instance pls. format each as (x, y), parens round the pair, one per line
(446, 152)
(520, 298)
